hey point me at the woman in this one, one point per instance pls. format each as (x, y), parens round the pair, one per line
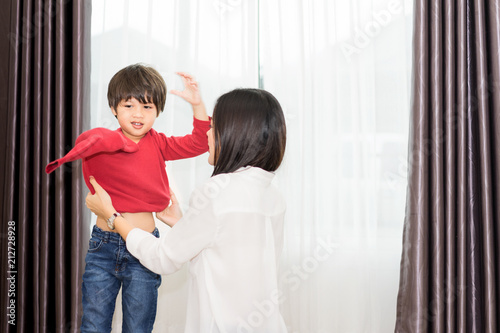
(232, 233)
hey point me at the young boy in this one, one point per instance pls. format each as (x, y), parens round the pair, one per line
(130, 164)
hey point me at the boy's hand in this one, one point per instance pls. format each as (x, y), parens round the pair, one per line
(99, 203)
(191, 92)
(172, 213)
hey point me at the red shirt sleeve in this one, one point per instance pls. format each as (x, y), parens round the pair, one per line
(190, 145)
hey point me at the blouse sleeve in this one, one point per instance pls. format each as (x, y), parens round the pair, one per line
(190, 145)
(194, 232)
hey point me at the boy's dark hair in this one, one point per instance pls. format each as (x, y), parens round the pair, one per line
(139, 81)
(249, 130)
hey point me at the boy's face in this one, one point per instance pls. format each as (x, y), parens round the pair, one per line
(135, 118)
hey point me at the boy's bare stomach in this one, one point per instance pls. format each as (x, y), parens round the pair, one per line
(143, 220)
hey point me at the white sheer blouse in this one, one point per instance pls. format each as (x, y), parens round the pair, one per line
(232, 237)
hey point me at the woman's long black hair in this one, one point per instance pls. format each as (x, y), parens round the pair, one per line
(249, 130)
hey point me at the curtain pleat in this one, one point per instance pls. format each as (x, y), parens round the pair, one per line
(37, 154)
(81, 106)
(436, 206)
(23, 163)
(450, 162)
(493, 27)
(11, 144)
(47, 151)
(461, 208)
(48, 107)
(449, 279)
(414, 263)
(61, 76)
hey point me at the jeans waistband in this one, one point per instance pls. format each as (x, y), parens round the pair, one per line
(109, 236)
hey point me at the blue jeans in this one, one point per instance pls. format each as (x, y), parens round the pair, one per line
(110, 266)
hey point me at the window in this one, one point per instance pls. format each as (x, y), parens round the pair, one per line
(341, 70)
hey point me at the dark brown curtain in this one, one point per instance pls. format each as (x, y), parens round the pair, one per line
(450, 266)
(44, 97)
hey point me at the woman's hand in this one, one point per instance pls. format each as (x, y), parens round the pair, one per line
(172, 213)
(99, 203)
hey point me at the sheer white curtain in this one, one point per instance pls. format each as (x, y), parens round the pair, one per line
(341, 70)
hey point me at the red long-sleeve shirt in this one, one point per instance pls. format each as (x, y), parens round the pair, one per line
(133, 174)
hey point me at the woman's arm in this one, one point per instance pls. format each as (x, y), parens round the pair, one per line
(195, 232)
(100, 203)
